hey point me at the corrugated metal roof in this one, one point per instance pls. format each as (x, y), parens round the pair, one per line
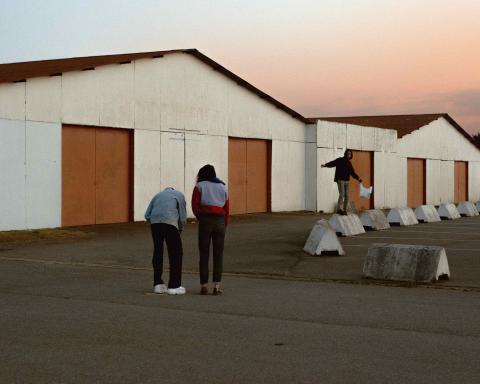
(13, 72)
(403, 124)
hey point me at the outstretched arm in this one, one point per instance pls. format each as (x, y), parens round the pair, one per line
(330, 164)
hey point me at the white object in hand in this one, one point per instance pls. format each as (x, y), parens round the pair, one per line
(365, 192)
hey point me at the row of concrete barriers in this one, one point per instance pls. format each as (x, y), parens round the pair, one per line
(391, 261)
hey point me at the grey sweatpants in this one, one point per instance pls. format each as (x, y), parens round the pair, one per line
(342, 195)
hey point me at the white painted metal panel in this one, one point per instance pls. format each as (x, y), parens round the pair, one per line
(438, 140)
(173, 92)
(146, 170)
(12, 101)
(340, 136)
(116, 95)
(44, 99)
(390, 140)
(149, 74)
(325, 133)
(280, 175)
(354, 137)
(288, 176)
(368, 138)
(12, 174)
(447, 191)
(311, 177)
(172, 160)
(379, 174)
(395, 181)
(327, 191)
(199, 151)
(43, 175)
(474, 181)
(380, 139)
(80, 98)
(311, 134)
(434, 181)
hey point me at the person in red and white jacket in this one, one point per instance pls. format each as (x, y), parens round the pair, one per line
(211, 208)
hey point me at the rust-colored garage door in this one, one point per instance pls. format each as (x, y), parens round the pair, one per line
(416, 182)
(362, 162)
(461, 181)
(248, 175)
(96, 175)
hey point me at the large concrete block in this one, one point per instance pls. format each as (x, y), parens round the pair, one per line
(346, 225)
(374, 219)
(467, 208)
(405, 262)
(448, 211)
(402, 217)
(323, 240)
(427, 214)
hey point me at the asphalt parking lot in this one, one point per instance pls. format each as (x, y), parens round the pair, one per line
(261, 245)
(76, 306)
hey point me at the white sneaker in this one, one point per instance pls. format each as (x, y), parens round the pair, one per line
(160, 288)
(176, 291)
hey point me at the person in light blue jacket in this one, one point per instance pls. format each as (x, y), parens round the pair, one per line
(167, 214)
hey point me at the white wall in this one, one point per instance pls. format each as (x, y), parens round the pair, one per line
(12, 174)
(43, 202)
(288, 176)
(194, 109)
(438, 140)
(440, 180)
(146, 171)
(44, 99)
(474, 181)
(333, 138)
(30, 175)
(12, 101)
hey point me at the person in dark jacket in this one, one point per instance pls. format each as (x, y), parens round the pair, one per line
(343, 171)
(211, 207)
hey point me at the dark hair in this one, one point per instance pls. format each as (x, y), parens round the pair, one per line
(346, 151)
(206, 173)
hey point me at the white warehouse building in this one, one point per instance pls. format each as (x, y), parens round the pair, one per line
(90, 140)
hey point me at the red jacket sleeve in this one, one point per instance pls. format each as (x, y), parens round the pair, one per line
(196, 200)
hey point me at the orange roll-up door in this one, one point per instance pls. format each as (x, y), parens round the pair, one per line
(416, 182)
(461, 181)
(362, 163)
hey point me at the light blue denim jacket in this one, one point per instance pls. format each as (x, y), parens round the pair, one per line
(168, 207)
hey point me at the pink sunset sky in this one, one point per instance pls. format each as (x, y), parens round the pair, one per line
(321, 58)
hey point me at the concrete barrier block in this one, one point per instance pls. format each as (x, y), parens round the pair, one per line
(346, 225)
(427, 214)
(448, 212)
(374, 219)
(402, 216)
(467, 208)
(403, 262)
(323, 240)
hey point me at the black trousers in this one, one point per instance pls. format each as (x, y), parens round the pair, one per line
(211, 229)
(171, 235)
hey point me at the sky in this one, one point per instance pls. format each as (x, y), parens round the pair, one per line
(319, 57)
